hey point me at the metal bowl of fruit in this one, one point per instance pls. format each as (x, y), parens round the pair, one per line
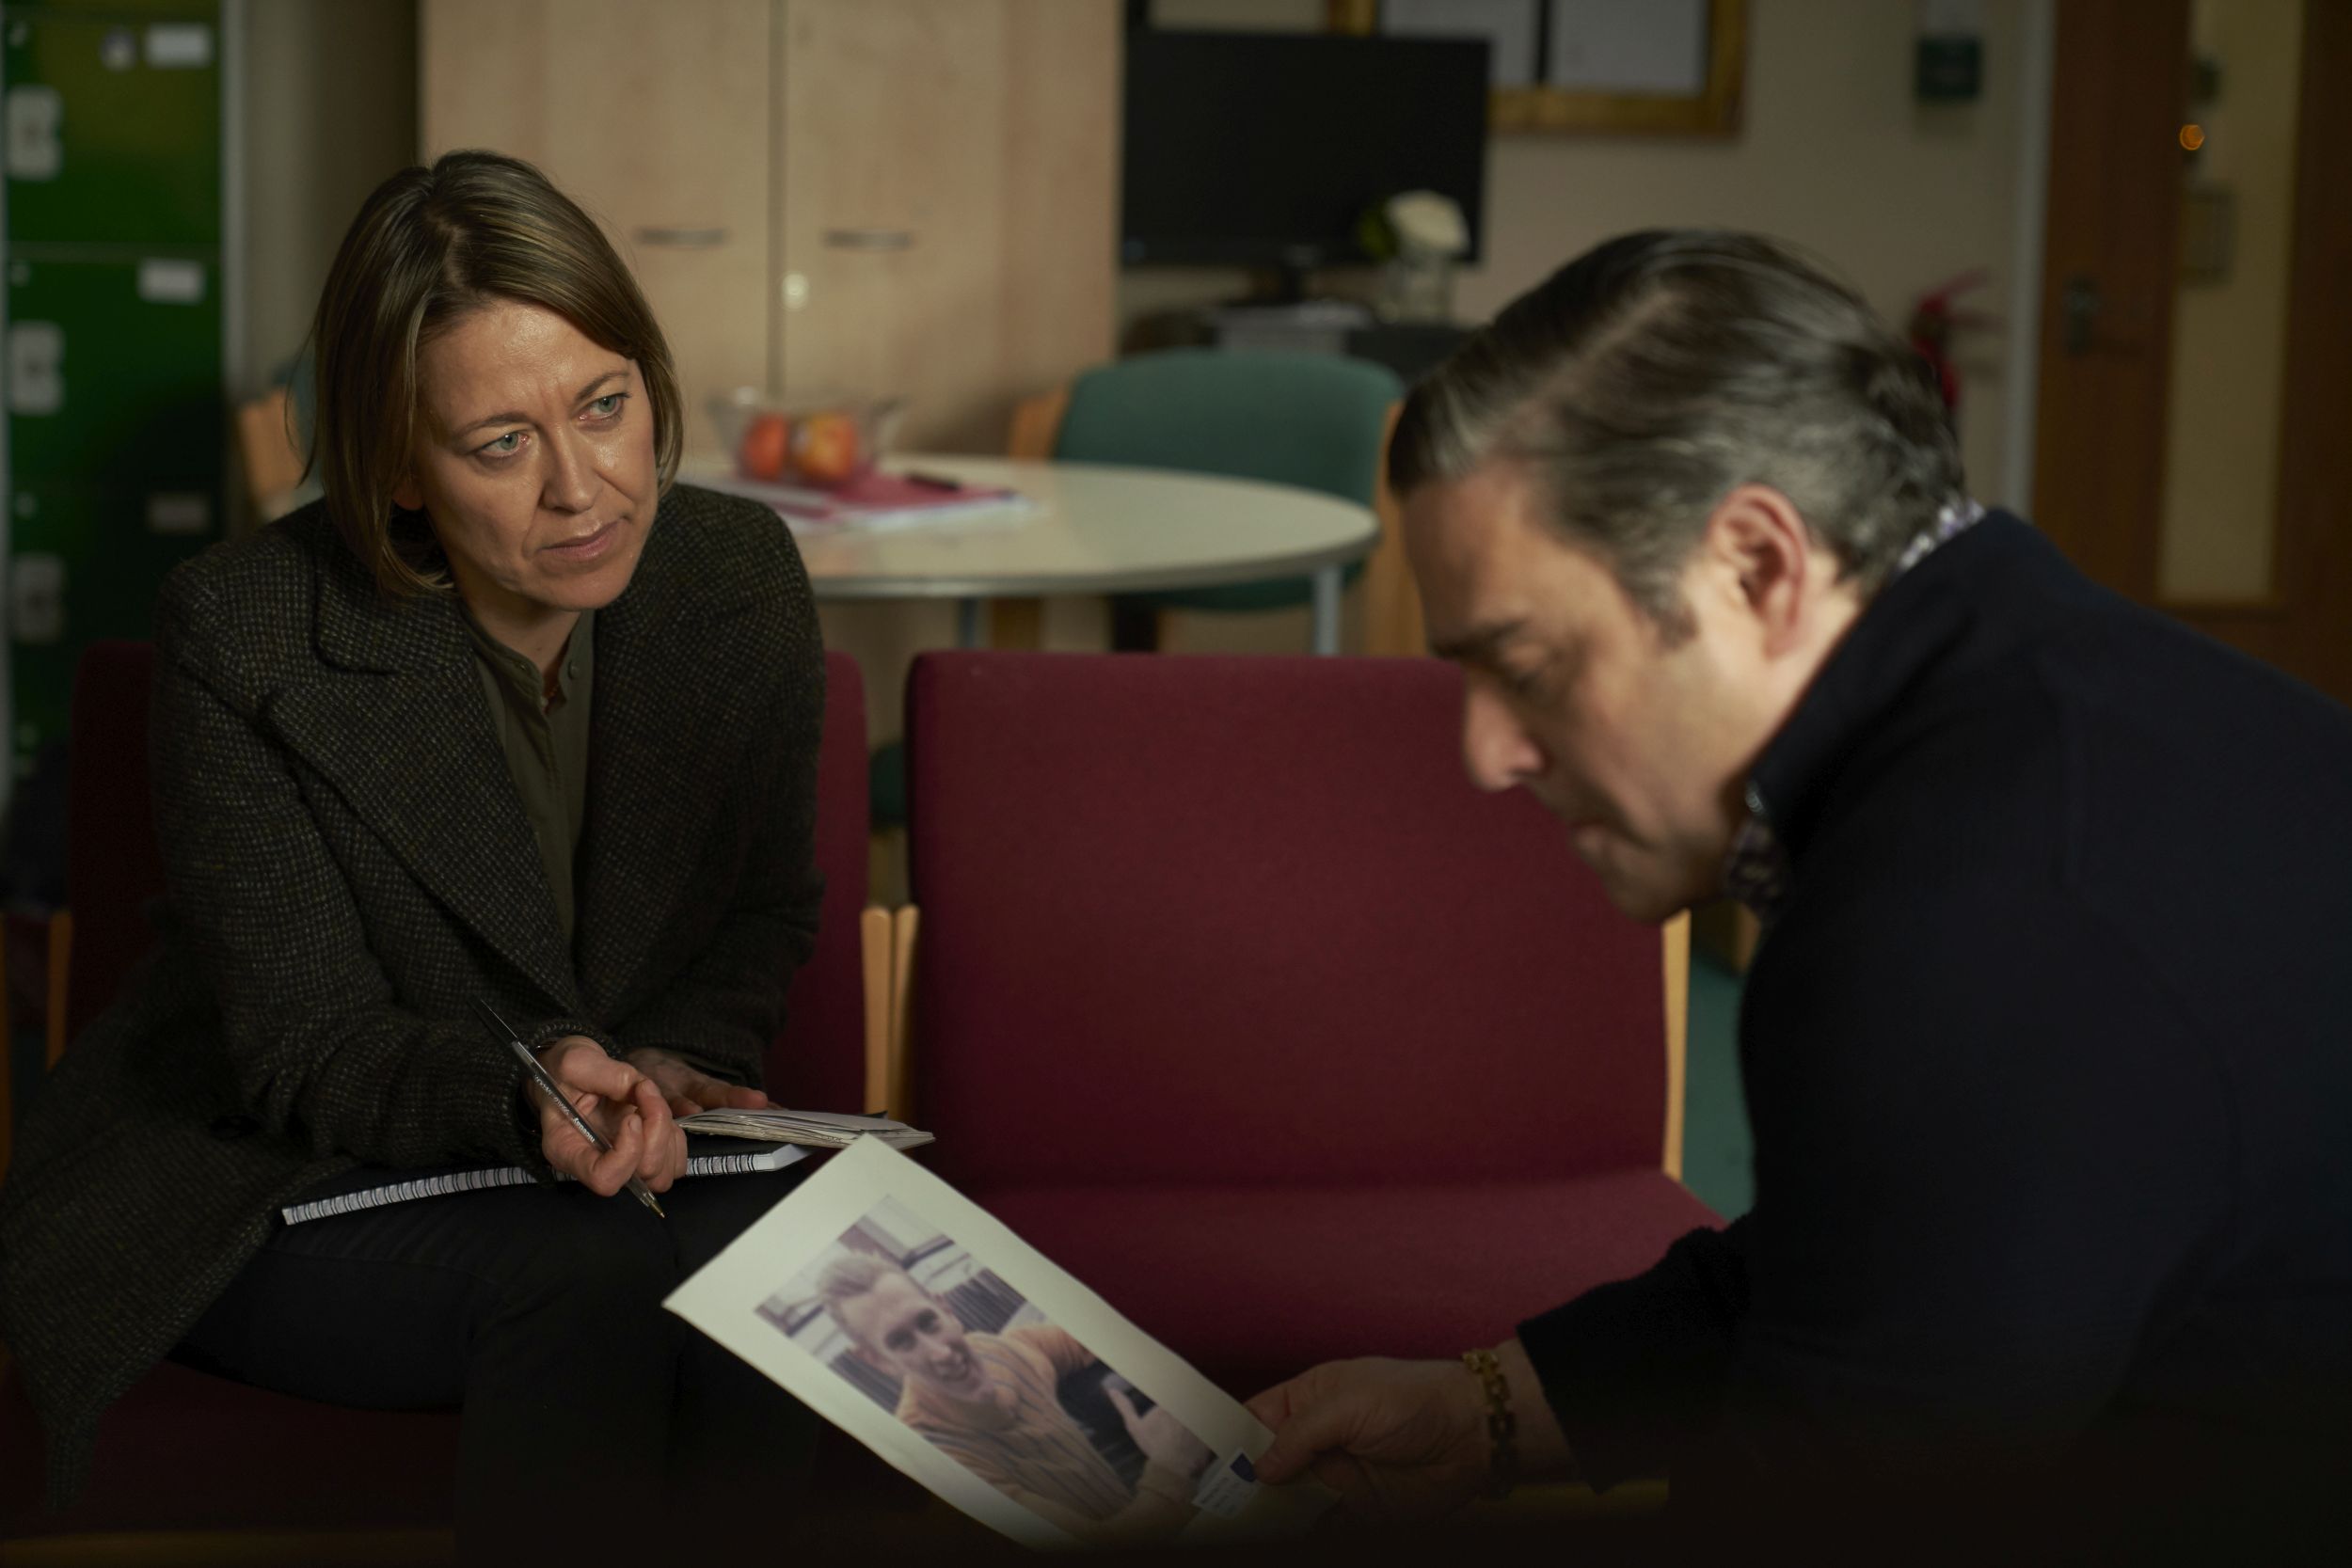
(818, 443)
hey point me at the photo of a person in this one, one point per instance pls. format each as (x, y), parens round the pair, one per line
(1014, 1399)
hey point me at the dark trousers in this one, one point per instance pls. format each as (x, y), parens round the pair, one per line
(592, 1418)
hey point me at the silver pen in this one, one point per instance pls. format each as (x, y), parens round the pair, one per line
(548, 1087)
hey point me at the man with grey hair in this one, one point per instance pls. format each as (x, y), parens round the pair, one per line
(992, 1402)
(2045, 1049)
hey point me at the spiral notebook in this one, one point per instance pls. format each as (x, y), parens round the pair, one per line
(373, 1187)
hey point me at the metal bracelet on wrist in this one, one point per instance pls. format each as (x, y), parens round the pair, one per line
(1503, 1427)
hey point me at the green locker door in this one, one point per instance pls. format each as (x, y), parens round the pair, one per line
(66, 595)
(113, 125)
(113, 455)
(112, 368)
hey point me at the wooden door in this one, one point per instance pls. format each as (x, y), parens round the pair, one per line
(947, 224)
(655, 119)
(2111, 355)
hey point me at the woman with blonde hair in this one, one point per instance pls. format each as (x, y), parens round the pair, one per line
(507, 717)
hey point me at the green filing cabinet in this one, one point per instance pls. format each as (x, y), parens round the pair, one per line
(113, 368)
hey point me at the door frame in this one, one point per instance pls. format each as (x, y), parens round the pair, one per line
(2102, 501)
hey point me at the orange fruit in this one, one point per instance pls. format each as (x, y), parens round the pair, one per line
(767, 441)
(825, 448)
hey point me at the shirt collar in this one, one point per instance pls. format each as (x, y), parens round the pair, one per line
(1756, 873)
(521, 679)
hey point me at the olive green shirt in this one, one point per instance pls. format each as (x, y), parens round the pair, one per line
(546, 744)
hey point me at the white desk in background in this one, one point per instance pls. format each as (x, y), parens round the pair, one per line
(1091, 528)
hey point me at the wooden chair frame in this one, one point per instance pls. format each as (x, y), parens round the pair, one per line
(7, 1063)
(52, 1024)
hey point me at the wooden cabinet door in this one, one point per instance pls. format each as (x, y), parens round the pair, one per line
(948, 222)
(654, 117)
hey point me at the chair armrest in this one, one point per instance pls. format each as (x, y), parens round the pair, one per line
(903, 924)
(1036, 424)
(60, 981)
(273, 464)
(1677, 937)
(874, 944)
(7, 1064)
(1392, 624)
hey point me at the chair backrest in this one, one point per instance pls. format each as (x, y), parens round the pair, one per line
(818, 1061)
(113, 869)
(1316, 421)
(1214, 920)
(265, 440)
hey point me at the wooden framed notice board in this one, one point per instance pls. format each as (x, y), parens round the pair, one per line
(1667, 66)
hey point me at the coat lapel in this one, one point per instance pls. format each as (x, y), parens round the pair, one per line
(666, 735)
(398, 726)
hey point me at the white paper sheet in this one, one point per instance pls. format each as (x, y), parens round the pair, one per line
(759, 1298)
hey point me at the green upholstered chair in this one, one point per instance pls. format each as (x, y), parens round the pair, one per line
(1315, 421)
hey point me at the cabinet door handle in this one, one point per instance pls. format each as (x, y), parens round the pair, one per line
(683, 239)
(870, 239)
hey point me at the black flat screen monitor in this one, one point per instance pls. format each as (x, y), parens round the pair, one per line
(1264, 148)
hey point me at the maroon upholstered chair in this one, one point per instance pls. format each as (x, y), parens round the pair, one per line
(820, 1062)
(187, 1451)
(1237, 1000)
(113, 869)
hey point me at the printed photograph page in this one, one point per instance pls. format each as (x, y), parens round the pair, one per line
(907, 1316)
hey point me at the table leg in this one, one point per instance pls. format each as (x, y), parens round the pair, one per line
(1018, 624)
(968, 623)
(1326, 588)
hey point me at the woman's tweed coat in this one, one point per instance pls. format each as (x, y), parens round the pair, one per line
(349, 868)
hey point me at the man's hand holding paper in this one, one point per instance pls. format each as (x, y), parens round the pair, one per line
(1404, 1439)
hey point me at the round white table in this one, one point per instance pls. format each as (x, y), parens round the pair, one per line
(1091, 528)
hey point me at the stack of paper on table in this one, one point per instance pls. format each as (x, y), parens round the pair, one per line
(818, 1128)
(875, 501)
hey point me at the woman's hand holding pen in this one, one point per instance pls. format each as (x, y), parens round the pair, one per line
(624, 1106)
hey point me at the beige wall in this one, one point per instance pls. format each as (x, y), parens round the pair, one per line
(1834, 154)
(330, 109)
(2229, 337)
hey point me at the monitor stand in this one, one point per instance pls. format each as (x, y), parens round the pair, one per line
(1280, 314)
(1314, 325)
(1284, 283)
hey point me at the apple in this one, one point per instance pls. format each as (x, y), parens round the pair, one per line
(825, 448)
(767, 442)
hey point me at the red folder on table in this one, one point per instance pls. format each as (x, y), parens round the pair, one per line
(874, 499)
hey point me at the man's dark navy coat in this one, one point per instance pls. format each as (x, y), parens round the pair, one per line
(2049, 1059)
